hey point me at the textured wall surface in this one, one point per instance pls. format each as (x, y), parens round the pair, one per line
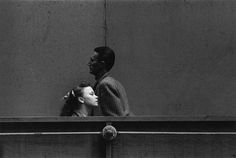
(69, 146)
(174, 146)
(173, 57)
(45, 46)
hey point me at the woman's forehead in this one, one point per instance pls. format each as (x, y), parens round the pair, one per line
(87, 89)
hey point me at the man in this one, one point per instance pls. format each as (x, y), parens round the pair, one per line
(111, 94)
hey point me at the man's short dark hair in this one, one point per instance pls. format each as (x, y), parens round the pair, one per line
(107, 55)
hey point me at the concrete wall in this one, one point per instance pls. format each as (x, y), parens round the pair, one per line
(69, 146)
(174, 57)
(45, 46)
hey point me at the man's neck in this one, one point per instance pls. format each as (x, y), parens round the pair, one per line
(100, 74)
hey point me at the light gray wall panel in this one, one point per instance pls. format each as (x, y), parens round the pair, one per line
(175, 57)
(45, 47)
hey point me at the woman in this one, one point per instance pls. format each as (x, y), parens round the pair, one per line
(79, 101)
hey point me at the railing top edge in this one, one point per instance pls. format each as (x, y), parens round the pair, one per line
(117, 119)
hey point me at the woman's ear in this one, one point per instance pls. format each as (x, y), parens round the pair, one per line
(81, 99)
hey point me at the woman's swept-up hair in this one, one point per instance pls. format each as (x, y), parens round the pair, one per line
(71, 99)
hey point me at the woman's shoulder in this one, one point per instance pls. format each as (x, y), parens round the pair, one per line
(78, 114)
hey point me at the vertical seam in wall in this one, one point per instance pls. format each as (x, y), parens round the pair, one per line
(105, 22)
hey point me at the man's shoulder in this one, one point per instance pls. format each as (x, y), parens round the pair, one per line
(108, 80)
(111, 82)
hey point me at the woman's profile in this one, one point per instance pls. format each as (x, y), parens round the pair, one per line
(79, 101)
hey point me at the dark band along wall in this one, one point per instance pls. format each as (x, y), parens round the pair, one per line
(173, 57)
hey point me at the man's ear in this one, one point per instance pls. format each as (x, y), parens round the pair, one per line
(103, 64)
(81, 99)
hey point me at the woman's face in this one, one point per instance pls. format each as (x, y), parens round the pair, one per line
(89, 96)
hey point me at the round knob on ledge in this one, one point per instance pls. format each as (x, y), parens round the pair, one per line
(109, 132)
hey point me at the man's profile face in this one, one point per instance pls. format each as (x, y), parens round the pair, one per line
(95, 66)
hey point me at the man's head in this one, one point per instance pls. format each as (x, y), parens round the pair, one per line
(102, 59)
